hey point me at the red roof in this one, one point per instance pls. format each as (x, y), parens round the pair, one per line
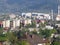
(1, 43)
(1, 22)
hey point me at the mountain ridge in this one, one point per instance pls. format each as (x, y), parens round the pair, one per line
(15, 6)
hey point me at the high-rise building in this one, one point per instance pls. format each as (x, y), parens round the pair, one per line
(6, 24)
(58, 10)
(16, 23)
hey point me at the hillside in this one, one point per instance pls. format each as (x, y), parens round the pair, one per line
(16, 6)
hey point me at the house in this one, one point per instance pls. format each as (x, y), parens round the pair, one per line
(1, 43)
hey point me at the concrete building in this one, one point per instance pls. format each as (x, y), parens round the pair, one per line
(58, 18)
(27, 21)
(6, 23)
(47, 16)
(27, 15)
(58, 10)
(16, 23)
(41, 16)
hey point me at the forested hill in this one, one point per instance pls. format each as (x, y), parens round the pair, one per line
(13, 6)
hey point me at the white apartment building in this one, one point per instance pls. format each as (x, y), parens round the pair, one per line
(27, 21)
(11, 23)
(16, 23)
(27, 15)
(59, 10)
(41, 16)
(6, 24)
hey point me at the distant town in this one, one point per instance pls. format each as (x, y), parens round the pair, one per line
(30, 28)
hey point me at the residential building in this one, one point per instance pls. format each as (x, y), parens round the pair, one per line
(6, 24)
(41, 16)
(27, 21)
(59, 10)
(27, 15)
(15, 23)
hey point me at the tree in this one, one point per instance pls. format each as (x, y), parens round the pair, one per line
(1, 31)
(34, 31)
(2, 36)
(24, 43)
(55, 43)
(12, 38)
(46, 33)
(33, 24)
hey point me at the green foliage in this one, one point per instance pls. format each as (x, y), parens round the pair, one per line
(21, 33)
(28, 25)
(3, 37)
(42, 25)
(1, 30)
(34, 32)
(25, 30)
(24, 43)
(46, 33)
(55, 43)
(11, 37)
(53, 31)
(33, 24)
